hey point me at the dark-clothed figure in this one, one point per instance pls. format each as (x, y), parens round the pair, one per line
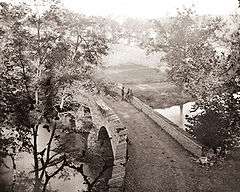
(128, 95)
(123, 93)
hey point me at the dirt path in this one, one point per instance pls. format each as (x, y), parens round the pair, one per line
(156, 161)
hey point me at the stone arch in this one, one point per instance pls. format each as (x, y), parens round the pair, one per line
(113, 147)
(105, 145)
(112, 133)
(115, 135)
(103, 159)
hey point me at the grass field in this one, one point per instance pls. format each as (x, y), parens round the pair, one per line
(135, 74)
(151, 85)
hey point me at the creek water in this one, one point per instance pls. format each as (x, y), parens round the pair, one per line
(176, 115)
(24, 162)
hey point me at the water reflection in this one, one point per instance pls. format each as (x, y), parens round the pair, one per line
(176, 115)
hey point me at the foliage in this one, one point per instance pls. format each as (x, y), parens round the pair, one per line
(219, 124)
(42, 55)
(186, 41)
(211, 77)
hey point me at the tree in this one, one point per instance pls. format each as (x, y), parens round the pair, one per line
(109, 28)
(186, 41)
(218, 123)
(134, 30)
(92, 186)
(211, 77)
(42, 56)
(218, 97)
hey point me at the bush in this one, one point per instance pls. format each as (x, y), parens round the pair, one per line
(218, 124)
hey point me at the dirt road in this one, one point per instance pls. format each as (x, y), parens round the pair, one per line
(158, 163)
(155, 159)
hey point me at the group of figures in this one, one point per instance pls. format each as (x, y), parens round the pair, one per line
(128, 96)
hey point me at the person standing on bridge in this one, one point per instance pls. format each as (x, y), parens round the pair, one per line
(130, 95)
(122, 92)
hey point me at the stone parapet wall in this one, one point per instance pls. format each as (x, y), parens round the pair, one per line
(172, 129)
(118, 135)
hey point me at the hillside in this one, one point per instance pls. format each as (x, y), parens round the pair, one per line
(149, 84)
(135, 74)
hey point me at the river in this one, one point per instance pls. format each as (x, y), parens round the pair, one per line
(24, 162)
(175, 114)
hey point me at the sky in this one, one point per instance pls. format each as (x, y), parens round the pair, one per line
(149, 8)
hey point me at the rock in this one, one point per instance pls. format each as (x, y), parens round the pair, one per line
(203, 160)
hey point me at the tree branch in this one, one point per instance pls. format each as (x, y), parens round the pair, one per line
(48, 149)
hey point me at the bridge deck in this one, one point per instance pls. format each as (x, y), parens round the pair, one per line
(156, 161)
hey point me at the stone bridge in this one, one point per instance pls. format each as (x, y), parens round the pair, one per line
(109, 130)
(146, 151)
(161, 156)
(149, 146)
(177, 133)
(113, 128)
(104, 132)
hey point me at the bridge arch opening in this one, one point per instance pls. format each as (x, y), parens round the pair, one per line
(103, 160)
(105, 146)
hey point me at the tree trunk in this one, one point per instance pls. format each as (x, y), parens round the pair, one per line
(181, 114)
(45, 185)
(37, 186)
(14, 173)
(62, 102)
(89, 188)
(36, 97)
(36, 167)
